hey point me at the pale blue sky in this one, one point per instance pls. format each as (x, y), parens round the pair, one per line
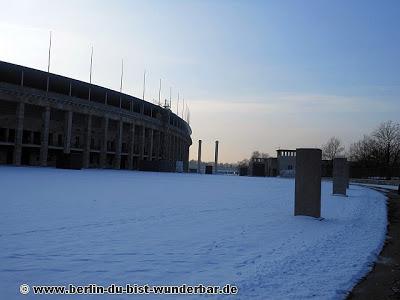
(257, 75)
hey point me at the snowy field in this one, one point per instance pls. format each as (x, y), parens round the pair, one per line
(384, 186)
(95, 226)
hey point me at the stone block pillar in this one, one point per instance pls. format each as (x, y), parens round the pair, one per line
(142, 142)
(103, 150)
(7, 134)
(44, 145)
(173, 156)
(199, 158)
(158, 152)
(131, 145)
(120, 128)
(339, 176)
(67, 131)
(88, 141)
(308, 182)
(151, 144)
(185, 157)
(216, 158)
(19, 129)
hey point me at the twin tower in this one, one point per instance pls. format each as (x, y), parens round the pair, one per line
(215, 158)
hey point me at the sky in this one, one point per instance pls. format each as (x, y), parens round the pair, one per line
(256, 75)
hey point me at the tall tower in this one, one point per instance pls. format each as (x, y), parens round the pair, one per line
(216, 158)
(199, 158)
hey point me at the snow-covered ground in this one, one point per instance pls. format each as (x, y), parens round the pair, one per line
(103, 226)
(384, 186)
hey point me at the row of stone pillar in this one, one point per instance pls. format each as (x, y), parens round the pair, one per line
(340, 176)
(174, 150)
(308, 181)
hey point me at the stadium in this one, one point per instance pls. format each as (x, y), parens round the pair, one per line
(45, 118)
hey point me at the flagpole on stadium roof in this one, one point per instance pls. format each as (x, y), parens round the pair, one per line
(183, 108)
(159, 94)
(177, 106)
(170, 101)
(144, 83)
(122, 75)
(91, 66)
(48, 62)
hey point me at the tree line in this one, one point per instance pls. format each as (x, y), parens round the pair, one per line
(377, 150)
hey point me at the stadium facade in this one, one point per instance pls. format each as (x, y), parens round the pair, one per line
(44, 116)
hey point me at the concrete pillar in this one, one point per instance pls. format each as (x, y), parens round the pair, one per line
(19, 129)
(186, 157)
(216, 158)
(162, 145)
(171, 145)
(88, 140)
(166, 145)
(173, 148)
(151, 144)
(347, 173)
(158, 147)
(131, 146)
(67, 131)
(142, 141)
(308, 182)
(120, 128)
(103, 150)
(44, 143)
(170, 153)
(339, 176)
(180, 150)
(199, 158)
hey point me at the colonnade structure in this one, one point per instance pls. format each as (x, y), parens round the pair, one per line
(215, 157)
(43, 115)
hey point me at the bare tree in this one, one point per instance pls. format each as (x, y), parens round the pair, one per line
(387, 137)
(243, 163)
(255, 154)
(380, 149)
(258, 154)
(332, 148)
(364, 150)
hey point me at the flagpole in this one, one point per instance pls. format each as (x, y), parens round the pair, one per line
(91, 65)
(48, 62)
(159, 94)
(170, 101)
(183, 108)
(177, 107)
(144, 83)
(122, 75)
